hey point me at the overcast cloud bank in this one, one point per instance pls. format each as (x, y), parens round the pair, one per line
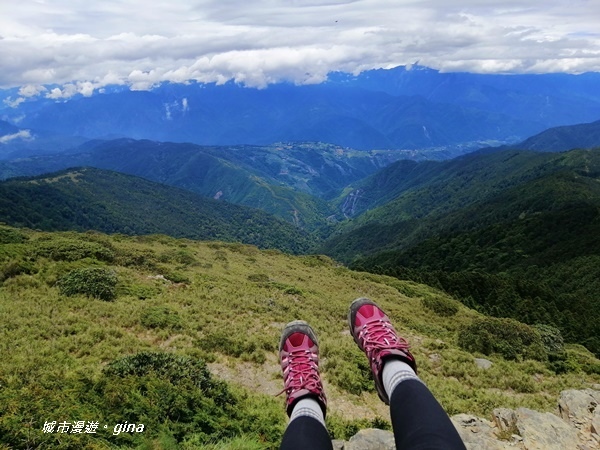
(82, 46)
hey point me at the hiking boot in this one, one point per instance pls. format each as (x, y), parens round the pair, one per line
(299, 355)
(375, 335)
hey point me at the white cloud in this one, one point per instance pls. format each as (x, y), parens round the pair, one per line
(23, 134)
(83, 46)
(14, 103)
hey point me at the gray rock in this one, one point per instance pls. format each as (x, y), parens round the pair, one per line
(338, 444)
(483, 363)
(544, 431)
(477, 433)
(371, 439)
(595, 428)
(578, 407)
(505, 419)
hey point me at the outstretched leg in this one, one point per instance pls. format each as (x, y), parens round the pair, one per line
(418, 420)
(306, 403)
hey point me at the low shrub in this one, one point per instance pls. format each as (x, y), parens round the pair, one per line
(163, 390)
(160, 317)
(94, 282)
(74, 250)
(507, 337)
(11, 236)
(13, 268)
(258, 278)
(441, 306)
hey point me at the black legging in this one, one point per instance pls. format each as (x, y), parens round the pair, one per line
(418, 420)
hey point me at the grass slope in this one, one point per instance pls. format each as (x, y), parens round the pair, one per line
(73, 357)
(94, 199)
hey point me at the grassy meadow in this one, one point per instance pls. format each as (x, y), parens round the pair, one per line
(181, 336)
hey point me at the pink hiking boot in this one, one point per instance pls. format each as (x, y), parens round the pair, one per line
(299, 355)
(375, 335)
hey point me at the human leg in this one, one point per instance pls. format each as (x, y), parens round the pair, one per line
(305, 399)
(418, 420)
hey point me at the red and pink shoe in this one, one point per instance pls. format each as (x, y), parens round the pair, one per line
(299, 355)
(375, 335)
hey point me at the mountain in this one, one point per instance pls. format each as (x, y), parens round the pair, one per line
(186, 166)
(290, 181)
(18, 142)
(400, 108)
(512, 233)
(93, 199)
(550, 99)
(185, 342)
(557, 139)
(231, 114)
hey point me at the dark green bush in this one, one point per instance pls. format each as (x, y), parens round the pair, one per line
(11, 236)
(13, 268)
(160, 317)
(181, 256)
(136, 258)
(177, 277)
(95, 282)
(167, 391)
(507, 337)
(74, 250)
(441, 306)
(551, 338)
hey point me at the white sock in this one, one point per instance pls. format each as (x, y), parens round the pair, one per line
(308, 407)
(394, 373)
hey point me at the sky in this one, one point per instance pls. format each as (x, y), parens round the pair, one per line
(81, 46)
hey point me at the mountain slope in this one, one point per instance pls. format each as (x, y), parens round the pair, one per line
(93, 199)
(525, 246)
(186, 166)
(196, 361)
(229, 114)
(586, 135)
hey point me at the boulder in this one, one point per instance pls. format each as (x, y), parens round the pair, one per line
(578, 407)
(478, 434)
(483, 363)
(371, 439)
(544, 431)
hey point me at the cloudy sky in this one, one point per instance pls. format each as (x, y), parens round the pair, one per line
(83, 45)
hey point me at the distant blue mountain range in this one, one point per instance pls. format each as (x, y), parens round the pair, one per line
(400, 108)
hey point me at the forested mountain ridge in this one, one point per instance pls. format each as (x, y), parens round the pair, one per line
(526, 246)
(585, 135)
(290, 181)
(93, 199)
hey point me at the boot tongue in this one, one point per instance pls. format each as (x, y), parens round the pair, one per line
(298, 340)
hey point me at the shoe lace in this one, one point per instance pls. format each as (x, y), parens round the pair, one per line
(379, 335)
(302, 373)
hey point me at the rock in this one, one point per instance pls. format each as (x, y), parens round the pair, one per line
(371, 439)
(578, 407)
(595, 428)
(478, 434)
(483, 363)
(505, 419)
(338, 444)
(544, 431)
(579, 429)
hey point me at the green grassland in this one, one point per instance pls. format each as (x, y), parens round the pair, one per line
(138, 340)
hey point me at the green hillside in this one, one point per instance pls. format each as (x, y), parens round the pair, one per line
(144, 330)
(93, 199)
(518, 239)
(557, 139)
